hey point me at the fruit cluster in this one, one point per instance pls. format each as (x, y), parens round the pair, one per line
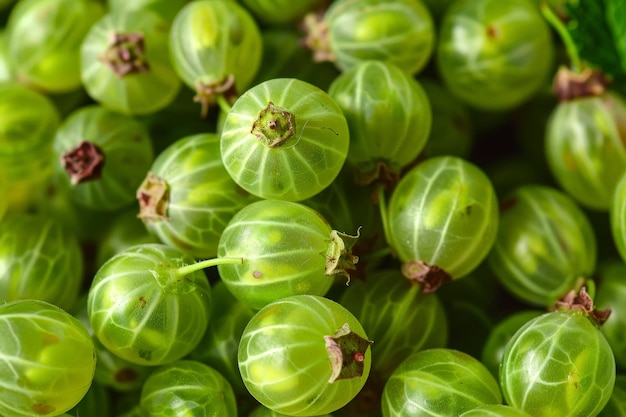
(309, 208)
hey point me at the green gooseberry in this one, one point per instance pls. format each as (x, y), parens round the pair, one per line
(187, 387)
(27, 128)
(188, 198)
(48, 59)
(150, 303)
(351, 31)
(288, 249)
(389, 117)
(545, 244)
(39, 259)
(48, 359)
(438, 382)
(216, 49)
(584, 145)
(494, 55)
(559, 364)
(125, 62)
(442, 220)
(304, 355)
(284, 139)
(103, 156)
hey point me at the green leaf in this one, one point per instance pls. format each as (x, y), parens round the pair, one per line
(598, 30)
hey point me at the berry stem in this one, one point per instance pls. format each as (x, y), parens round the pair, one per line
(559, 26)
(188, 269)
(223, 103)
(382, 207)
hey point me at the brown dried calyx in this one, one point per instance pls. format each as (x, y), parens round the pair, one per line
(582, 301)
(207, 93)
(83, 163)
(569, 85)
(125, 53)
(346, 353)
(431, 277)
(316, 29)
(154, 198)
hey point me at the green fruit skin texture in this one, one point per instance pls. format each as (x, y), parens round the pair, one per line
(283, 359)
(444, 212)
(303, 165)
(283, 245)
(545, 243)
(187, 388)
(397, 312)
(400, 31)
(27, 127)
(210, 40)
(499, 336)
(617, 216)
(616, 407)
(144, 313)
(39, 259)
(495, 410)
(558, 364)
(611, 294)
(438, 382)
(48, 59)
(388, 114)
(135, 93)
(494, 55)
(585, 149)
(202, 196)
(127, 150)
(48, 359)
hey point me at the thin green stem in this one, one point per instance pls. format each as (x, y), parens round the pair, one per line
(382, 207)
(559, 26)
(223, 103)
(188, 269)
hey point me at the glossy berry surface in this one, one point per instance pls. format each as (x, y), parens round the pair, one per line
(284, 139)
(493, 55)
(284, 356)
(284, 246)
(48, 359)
(438, 381)
(442, 217)
(558, 364)
(143, 310)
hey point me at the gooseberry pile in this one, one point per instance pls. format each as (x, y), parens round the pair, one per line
(310, 208)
